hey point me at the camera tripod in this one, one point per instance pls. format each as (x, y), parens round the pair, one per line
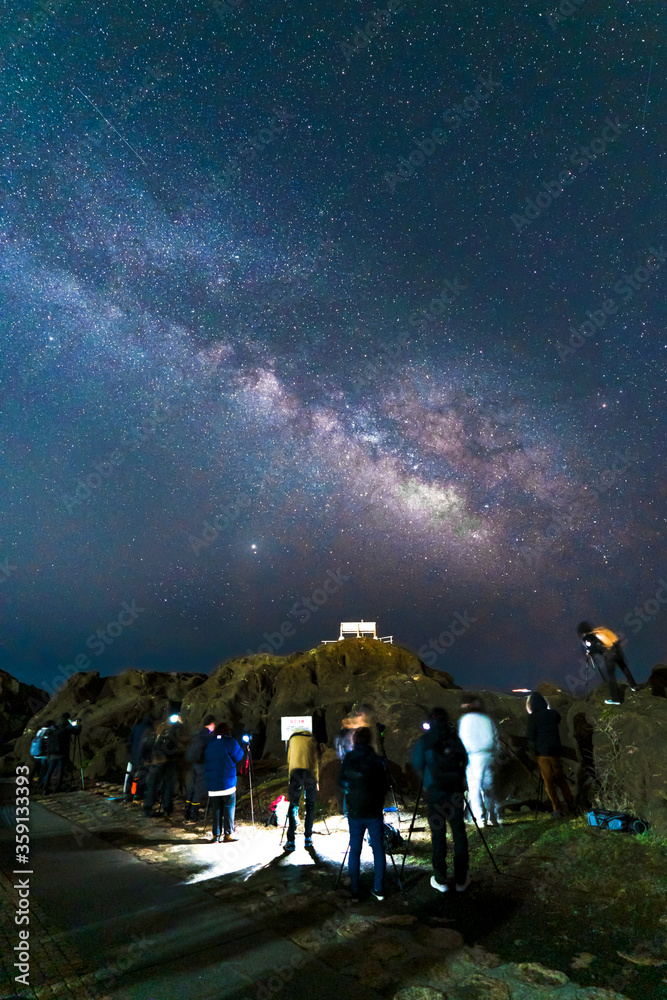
(77, 748)
(540, 781)
(381, 731)
(591, 667)
(467, 809)
(247, 741)
(387, 850)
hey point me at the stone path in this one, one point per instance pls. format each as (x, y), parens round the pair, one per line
(126, 908)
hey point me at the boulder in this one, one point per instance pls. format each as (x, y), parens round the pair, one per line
(18, 703)
(107, 708)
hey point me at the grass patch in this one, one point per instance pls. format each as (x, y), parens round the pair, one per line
(577, 897)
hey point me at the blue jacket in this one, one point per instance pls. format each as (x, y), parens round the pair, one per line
(222, 755)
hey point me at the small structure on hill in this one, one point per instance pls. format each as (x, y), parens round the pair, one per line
(360, 630)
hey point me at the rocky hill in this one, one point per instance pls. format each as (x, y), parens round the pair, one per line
(18, 703)
(605, 752)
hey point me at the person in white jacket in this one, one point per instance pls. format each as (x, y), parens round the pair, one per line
(478, 733)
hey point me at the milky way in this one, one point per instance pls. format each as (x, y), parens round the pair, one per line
(237, 357)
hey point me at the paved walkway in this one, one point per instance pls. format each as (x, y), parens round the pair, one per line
(105, 925)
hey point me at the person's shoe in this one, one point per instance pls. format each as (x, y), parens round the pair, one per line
(610, 701)
(462, 888)
(354, 897)
(289, 846)
(308, 842)
(228, 839)
(635, 689)
(439, 885)
(378, 895)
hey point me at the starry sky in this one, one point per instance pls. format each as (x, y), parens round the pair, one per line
(319, 312)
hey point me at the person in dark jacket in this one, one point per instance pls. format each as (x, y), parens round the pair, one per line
(605, 650)
(57, 753)
(194, 755)
(365, 781)
(544, 738)
(441, 759)
(221, 756)
(136, 749)
(166, 755)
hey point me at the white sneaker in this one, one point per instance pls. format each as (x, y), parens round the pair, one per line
(462, 888)
(438, 885)
(610, 701)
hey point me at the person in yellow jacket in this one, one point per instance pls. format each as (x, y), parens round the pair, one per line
(604, 648)
(303, 764)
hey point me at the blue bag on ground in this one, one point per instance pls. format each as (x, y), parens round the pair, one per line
(605, 819)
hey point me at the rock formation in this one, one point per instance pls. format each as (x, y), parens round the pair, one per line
(615, 755)
(18, 703)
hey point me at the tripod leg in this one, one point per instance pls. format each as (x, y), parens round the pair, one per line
(412, 822)
(488, 851)
(282, 835)
(203, 829)
(342, 864)
(398, 877)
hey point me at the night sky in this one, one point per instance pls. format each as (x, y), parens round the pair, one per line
(339, 305)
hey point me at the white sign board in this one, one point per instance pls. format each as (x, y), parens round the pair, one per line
(293, 723)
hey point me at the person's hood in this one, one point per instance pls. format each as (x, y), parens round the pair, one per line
(537, 702)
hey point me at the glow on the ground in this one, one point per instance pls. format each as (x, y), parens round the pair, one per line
(258, 847)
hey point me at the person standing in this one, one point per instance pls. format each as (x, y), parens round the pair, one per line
(221, 755)
(478, 733)
(39, 753)
(195, 756)
(303, 765)
(605, 650)
(365, 782)
(544, 738)
(136, 747)
(57, 753)
(166, 757)
(441, 759)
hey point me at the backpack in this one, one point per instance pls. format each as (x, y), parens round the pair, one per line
(447, 760)
(39, 742)
(392, 839)
(605, 819)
